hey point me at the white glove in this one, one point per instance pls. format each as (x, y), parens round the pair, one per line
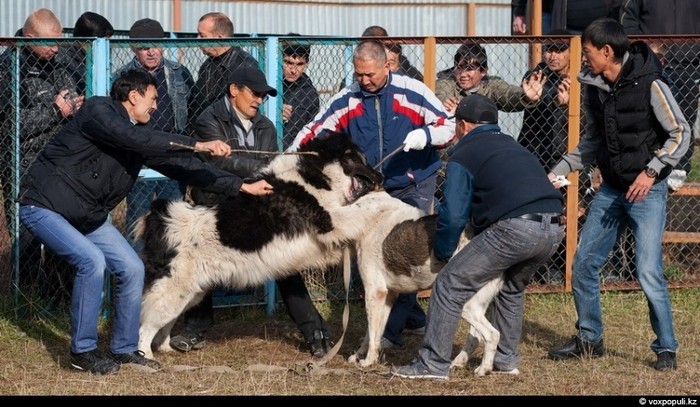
(415, 140)
(676, 179)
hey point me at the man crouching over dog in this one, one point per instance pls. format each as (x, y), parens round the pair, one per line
(501, 188)
(81, 175)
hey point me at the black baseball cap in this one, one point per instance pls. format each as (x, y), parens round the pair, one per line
(557, 45)
(253, 78)
(477, 109)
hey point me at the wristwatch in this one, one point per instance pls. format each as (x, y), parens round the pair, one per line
(651, 173)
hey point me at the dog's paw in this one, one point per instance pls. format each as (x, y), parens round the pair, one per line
(366, 362)
(165, 347)
(460, 361)
(483, 370)
(353, 358)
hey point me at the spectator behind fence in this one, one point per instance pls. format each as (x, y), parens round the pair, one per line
(404, 65)
(88, 25)
(681, 60)
(545, 125)
(174, 83)
(636, 134)
(398, 63)
(79, 178)
(300, 98)
(236, 120)
(48, 99)
(570, 15)
(469, 75)
(383, 113)
(516, 218)
(545, 130)
(214, 72)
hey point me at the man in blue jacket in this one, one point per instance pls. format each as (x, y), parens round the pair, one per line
(81, 175)
(385, 113)
(500, 188)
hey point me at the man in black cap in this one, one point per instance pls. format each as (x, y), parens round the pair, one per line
(501, 189)
(545, 130)
(236, 119)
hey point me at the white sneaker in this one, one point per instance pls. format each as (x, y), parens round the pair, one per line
(513, 372)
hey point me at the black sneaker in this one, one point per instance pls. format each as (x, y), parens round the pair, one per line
(135, 357)
(94, 362)
(188, 341)
(665, 361)
(576, 348)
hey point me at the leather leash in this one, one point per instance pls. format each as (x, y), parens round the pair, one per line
(347, 268)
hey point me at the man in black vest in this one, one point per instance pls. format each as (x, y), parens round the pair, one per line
(636, 134)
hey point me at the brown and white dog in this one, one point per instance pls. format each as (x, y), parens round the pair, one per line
(394, 256)
(246, 241)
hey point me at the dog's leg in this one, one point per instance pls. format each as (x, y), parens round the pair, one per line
(374, 309)
(477, 320)
(472, 341)
(378, 306)
(161, 305)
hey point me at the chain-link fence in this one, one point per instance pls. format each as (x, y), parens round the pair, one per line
(29, 87)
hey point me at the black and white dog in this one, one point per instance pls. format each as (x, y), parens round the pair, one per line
(246, 241)
(322, 202)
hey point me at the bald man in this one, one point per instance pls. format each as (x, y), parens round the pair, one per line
(48, 99)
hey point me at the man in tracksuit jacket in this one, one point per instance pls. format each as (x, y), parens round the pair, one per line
(384, 113)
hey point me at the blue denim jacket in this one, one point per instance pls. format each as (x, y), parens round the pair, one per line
(180, 83)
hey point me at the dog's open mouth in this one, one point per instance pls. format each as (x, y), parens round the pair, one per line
(362, 185)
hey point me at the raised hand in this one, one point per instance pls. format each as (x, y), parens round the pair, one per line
(533, 85)
(563, 92)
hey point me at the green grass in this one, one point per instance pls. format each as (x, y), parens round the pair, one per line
(251, 353)
(694, 175)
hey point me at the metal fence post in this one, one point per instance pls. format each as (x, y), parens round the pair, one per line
(272, 106)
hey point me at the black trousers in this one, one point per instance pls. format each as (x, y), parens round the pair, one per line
(295, 296)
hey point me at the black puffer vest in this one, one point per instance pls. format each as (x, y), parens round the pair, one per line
(631, 132)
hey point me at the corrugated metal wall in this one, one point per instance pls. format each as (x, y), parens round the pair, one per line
(330, 17)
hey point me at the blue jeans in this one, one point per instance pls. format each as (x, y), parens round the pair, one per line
(91, 254)
(516, 247)
(607, 218)
(406, 312)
